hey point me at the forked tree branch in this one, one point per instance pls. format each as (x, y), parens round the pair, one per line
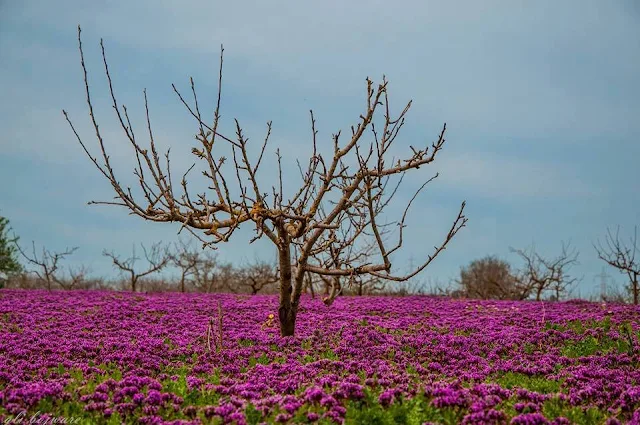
(540, 274)
(48, 267)
(157, 258)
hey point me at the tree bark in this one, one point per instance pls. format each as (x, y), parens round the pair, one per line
(287, 311)
(310, 285)
(634, 288)
(334, 291)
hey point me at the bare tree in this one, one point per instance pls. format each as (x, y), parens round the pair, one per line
(77, 278)
(614, 294)
(97, 283)
(159, 284)
(206, 274)
(413, 287)
(366, 285)
(541, 274)
(201, 270)
(622, 256)
(157, 258)
(48, 267)
(348, 188)
(257, 276)
(309, 285)
(186, 258)
(490, 278)
(25, 280)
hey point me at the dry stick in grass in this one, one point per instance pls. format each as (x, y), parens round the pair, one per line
(543, 323)
(210, 326)
(209, 336)
(220, 325)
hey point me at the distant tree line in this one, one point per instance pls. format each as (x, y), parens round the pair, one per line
(199, 270)
(537, 278)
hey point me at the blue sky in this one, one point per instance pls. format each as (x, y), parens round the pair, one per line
(541, 100)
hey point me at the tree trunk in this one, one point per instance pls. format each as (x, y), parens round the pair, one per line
(538, 293)
(334, 292)
(310, 286)
(634, 288)
(287, 311)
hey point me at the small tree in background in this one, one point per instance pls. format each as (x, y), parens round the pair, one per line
(186, 258)
(257, 276)
(540, 275)
(157, 258)
(208, 274)
(347, 187)
(48, 267)
(490, 278)
(622, 256)
(77, 279)
(9, 264)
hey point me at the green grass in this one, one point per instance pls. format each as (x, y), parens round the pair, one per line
(411, 412)
(591, 345)
(554, 408)
(539, 384)
(246, 342)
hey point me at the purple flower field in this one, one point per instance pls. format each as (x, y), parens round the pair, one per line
(110, 357)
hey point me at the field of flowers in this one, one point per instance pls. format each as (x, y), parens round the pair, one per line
(110, 357)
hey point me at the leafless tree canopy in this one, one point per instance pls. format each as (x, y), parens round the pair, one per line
(157, 258)
(341, 194)
(186, 258)
(540, 275)
(257, 276)
(48, 269)
(493, 278)
(622, 256)
(207, 273)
